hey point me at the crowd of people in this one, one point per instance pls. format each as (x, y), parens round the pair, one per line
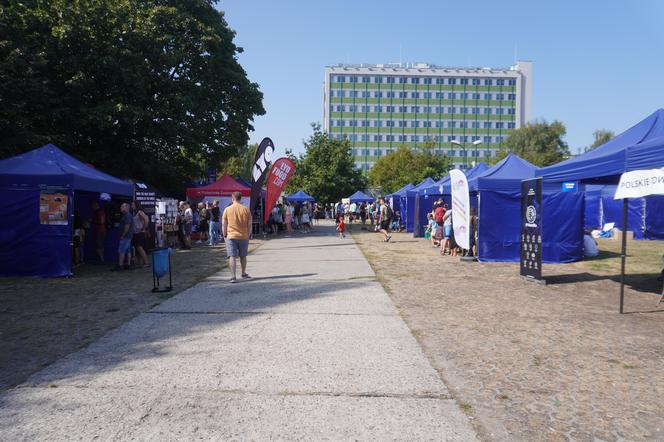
(294, 216)
(440, 230)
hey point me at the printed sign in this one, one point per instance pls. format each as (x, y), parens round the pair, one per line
(531, 228)
(280, 173)
(53, 208)
(569, 186)
(640, 183)
(460, 208)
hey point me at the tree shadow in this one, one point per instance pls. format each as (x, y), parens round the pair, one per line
(643, 282)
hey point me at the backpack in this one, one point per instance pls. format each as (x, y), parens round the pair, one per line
(439, 214)
(389, 214)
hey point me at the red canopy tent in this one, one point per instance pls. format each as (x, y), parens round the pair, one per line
(224, 186)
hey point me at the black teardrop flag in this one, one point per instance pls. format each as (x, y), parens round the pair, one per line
(259, 170)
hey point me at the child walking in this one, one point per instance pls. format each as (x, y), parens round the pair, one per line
(341, 227)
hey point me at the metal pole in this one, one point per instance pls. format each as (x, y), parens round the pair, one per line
(623, 255)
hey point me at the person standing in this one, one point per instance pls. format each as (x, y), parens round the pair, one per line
(141, 222)
(203, 223)
(215, 223)
(288, 217)
(236, 228)
(126, 234)
(99, 223)
(188, 224)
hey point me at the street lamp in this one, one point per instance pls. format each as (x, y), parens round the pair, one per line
(462, 146)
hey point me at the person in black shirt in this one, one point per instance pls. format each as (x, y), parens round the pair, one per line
(215, 223)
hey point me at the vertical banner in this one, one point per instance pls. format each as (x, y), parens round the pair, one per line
(531, 228)
(259, 170)
(148, 199)
(280, 173)
(460, 208)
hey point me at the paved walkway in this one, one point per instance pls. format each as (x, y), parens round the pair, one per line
(311, 348)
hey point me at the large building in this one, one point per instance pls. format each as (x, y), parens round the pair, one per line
(464, 113)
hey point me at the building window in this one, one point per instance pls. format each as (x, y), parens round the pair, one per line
(377, 137)
(341, 94)
(463, 124)
(366, 94)
(464, 110)
(389, 109)
(403, 80)
(341, 79)
(378, 94)
(427, 80)
(377, 152)
(414, 95)
(440, 109)
(500, 111)
(474, 138)
(440, 95)
(415, 138)
(402, 109)
(451, 110)
(402, 123)
(415, 80)
(452, 152)
(476, 110)
(427, 109)
(414, 109)
(500, 125)
(487, 153)
(476, 81)
(340, 108)
(500, 97)
(414, 123)
(463, 81)
(512, 82)
(352, 123)
(451, 96)
(353, 79)
(390, 80)
(451, 124)
(389, 137)
(511, 125)
(340, 122)
(365, 123)
(427, 95)
(426, 124)
(353, 94)
(488, 82)
(487, 125)
(487, 96)
(486, 140)
(511, 96)
(476, 124)
(500, 82)
(365, 138)
(403, 94)
(352, 108)
(378, 109)
(439, 124)
(487, 111)
(451, 81)
(402, 138)
(464, 139)
(365, 109)
(390, 94)
(377, 123)
(476, 96)
(389, 123)
(499, 140)
(440, 80)
(511, 111)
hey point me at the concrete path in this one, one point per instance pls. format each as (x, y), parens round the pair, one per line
(311, 348)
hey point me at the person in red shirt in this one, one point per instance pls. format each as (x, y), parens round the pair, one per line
(341, 227)
(99, 225)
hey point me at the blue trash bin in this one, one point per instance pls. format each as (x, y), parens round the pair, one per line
(161, 265)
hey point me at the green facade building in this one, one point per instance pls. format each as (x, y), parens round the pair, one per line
(464, 113)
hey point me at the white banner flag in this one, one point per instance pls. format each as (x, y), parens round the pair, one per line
(460, 208)
(639, 183)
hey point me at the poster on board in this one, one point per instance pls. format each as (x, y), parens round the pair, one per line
(53, 208)
(531, 229)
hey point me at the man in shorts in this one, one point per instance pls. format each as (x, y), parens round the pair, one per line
(236, 228)
(385, 220)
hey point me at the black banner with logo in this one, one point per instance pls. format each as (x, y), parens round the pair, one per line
(531, 228)
(147, 196)
(260, 168)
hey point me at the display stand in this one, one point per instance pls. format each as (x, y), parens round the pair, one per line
(161, 262)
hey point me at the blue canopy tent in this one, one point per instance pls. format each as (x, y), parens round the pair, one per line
(410, 200)
(639, 147)
(442, 189)
(499, 230)
(601, 208)
(300, 197)
(395, 198)
(360, 197)
(35, 240)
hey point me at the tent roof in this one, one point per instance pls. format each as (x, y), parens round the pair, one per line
(300, 196)
(427, 182)
(360, 196)
(639, 147)
(224, 186)
(403, 190)
(51, 166)
(435, 189)
(506, 175)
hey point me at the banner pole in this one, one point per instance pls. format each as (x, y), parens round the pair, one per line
(623, 255)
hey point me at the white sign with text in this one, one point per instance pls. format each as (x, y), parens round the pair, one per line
(460, 208)
(640, 183)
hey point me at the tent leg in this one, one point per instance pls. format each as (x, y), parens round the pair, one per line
(623, 256)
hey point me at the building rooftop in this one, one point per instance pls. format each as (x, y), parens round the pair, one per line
(418, 67)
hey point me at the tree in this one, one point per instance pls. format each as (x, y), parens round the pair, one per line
(404, 166)
(540, 143)
(326, 170)
(601, 137)
(150, 90)
(240, 165)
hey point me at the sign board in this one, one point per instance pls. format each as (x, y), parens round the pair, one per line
(640, 183)
(460, 208)
(53, 208)
(569, 186)
(148, 199)
(531, 228)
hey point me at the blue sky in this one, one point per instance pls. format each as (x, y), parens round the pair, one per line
(596, 64)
